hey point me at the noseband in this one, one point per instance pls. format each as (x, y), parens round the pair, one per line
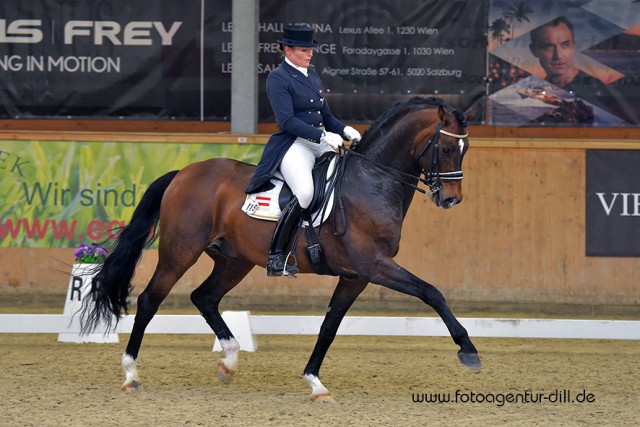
(434, 177)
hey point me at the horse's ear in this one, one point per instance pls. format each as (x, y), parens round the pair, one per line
(444, 116)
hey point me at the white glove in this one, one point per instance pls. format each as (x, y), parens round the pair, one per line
(351, 134)
(333, 139)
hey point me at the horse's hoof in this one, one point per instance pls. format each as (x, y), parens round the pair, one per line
(323, 398)
(132, 387)
(470, 360)
(224, 373)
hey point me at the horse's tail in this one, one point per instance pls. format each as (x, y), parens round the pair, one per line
(111, 286)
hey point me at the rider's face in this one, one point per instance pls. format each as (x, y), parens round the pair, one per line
(298, 55)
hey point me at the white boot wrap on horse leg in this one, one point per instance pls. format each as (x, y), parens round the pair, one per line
(231, 349)
(317, 388)
(130, 369)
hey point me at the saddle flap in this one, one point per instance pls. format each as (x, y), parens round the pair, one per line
(267, 205)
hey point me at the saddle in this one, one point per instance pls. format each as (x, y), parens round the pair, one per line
(268, 204)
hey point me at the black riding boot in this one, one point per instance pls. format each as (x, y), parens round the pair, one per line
(281, 236)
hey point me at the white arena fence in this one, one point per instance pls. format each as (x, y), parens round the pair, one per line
(351, 325)
(245, 326)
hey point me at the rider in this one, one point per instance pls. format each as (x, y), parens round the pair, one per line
(307, 130)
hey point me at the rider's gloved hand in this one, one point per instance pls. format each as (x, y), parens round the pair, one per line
(351, 134)
(333, 139)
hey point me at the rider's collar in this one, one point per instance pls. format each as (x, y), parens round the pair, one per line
(301, 69)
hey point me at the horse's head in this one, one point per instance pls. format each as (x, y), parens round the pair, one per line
(440, 157)
(438, 141)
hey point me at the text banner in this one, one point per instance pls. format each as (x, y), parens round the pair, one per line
(374, 53)
(613, 203)
(122, 59)
(57, 194)
(113, 58)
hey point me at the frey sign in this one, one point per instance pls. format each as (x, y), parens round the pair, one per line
(137, 33)
(613, 203)
(107, 58)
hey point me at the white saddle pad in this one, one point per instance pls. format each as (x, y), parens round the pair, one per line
(265, 205)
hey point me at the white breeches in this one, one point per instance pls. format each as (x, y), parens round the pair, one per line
(296, 167)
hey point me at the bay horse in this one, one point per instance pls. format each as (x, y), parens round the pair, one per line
(198, 210)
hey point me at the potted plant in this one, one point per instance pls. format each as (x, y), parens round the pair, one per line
(90, 254)
(88, 261)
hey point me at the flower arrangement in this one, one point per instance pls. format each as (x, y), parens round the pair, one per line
(90, 254)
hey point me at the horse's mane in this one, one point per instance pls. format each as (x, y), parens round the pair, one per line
(398, 109)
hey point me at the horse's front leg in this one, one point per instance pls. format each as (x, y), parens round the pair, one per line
(389, 274)
(345, 294)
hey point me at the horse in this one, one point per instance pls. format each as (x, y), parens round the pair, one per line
(197, 209)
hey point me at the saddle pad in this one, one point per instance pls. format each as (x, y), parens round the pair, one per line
(265, 205)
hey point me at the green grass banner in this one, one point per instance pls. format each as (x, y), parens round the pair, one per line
(57, 194)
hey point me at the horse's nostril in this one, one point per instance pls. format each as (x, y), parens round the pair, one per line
(449, 202)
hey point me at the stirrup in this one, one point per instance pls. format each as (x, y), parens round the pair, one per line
(274, 269)
(290, 270)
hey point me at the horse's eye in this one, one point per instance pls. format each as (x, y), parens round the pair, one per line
(446, 150)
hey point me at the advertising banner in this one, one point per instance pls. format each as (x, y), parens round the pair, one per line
(111, 58)
(57, 194)
(613, 203)
(374, 53)
(172, 60)
(573, 63)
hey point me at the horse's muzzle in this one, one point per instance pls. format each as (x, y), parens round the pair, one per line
(446, 202)
(449, 202)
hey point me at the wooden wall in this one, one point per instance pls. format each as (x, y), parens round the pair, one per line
(517, 240)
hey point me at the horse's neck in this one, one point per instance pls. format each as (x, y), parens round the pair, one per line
(388, 161)
(394, 151)
(392, 148)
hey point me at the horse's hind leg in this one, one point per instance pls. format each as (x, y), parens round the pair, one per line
(226, 274)
(345, 294)
(164, 278)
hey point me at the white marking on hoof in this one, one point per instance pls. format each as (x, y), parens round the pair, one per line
(224, 374)
(131, 388)
(323, 398)
(229, 364)
(132, 383)
(319, 392)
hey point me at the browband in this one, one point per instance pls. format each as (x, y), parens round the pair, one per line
(455, 135)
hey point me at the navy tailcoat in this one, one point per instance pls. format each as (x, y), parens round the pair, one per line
(301, 110)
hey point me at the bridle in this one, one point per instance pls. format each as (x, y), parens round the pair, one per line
(433, 177)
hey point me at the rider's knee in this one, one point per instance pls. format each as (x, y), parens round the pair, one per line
(304, 198)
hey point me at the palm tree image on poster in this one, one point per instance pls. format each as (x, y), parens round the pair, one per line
(532, 44)
(514, 13)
